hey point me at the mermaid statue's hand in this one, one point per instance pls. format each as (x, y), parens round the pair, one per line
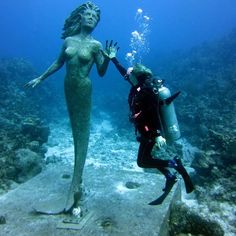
(33, 83)
(110, 50)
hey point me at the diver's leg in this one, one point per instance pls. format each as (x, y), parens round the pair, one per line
(146, 160)
(171, 179)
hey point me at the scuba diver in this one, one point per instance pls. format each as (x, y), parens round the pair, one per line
(144, 103)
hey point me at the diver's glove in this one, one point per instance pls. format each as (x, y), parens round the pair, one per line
(160, 142)
(110, 50)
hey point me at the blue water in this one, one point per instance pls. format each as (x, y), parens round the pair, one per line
(31, 29)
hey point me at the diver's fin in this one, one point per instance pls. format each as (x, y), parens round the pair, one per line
(170, 99)
(169, 185)
(188, 183)
(182, 171)
(170, 181)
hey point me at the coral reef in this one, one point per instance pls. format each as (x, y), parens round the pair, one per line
(184, 220)
(206, 111)
(23, 131)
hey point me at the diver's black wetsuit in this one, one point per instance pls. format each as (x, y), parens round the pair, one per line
(144, 106)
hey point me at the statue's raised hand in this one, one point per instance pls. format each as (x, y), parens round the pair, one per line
(110, 50)
(33, 83)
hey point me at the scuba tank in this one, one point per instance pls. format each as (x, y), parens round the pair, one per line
(167, 112)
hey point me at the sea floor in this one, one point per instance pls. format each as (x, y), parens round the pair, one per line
(117, 191)
(110, 205)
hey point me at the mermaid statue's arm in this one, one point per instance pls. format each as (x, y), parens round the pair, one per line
(101, 60)
(56, 65)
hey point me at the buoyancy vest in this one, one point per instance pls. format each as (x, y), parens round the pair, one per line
(152, 110)
(144, 109)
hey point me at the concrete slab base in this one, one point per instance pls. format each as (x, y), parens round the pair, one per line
(115, 203)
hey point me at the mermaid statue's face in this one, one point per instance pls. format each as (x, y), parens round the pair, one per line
(89, 19)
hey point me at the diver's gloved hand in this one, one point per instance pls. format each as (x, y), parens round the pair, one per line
(110, 50)
(160, 142)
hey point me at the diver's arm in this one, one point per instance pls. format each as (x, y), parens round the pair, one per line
(122, 70)
(119, 67)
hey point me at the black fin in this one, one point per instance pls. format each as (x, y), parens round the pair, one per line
(169, 185)
(182, 171)
(169, 100)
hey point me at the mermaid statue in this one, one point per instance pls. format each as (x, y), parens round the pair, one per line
(80, 51)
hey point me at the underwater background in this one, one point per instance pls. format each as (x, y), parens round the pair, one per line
(190, 44)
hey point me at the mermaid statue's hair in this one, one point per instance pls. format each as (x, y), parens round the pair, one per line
(72, 23)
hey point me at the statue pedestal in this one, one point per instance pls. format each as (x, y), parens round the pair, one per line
(115, 203)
